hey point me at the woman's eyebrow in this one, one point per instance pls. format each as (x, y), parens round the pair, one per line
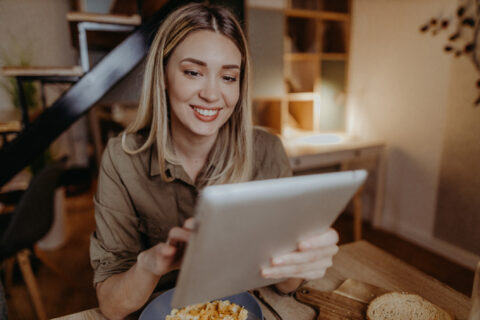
(196, 61)
(231, 66)
(204, 64)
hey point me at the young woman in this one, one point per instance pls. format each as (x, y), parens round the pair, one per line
(192, 130)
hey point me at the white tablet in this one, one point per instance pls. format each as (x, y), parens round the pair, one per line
(241, 226)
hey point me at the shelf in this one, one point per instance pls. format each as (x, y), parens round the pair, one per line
(10, 126)
(334, 16)
(315, 37)
(302, 96)
(301, 114)
(332, 56)
(335, 36)
(32, 71)
(300, 75)
(302, 35)
(123, 19)
(301, 13)
(325, 15)
(339, 6)
(301, 56)
(315, 56)
(268, 113)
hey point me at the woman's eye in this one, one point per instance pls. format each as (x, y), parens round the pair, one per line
(229, 78)
(191, 73)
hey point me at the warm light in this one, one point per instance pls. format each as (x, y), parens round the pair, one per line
(321, 138)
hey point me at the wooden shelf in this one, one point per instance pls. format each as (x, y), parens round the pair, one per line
(268, 114)
(302, 96)
(301, 56)
(19, 71)
(315, 36)
(11, 126)
(325, 15)
(123, 19)
(334, 16)
(334, 56)
(315, 56)
(302, 13)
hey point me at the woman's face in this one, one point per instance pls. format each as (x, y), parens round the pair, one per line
(203, 83)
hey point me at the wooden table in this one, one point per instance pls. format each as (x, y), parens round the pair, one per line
(360, 261)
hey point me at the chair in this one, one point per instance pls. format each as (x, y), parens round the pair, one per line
(3, 303)
(29, 222)
(475, 311)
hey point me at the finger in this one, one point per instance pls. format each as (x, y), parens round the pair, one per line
(296, 271)
(177, 235)
(165, 250)
(189, 223)
(328, 238)
(168, 258)
(158, 259)
(305, 256)
(314, 275)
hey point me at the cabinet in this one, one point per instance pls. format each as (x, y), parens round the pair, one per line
(300, 64)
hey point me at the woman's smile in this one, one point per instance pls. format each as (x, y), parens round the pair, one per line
(205, 114)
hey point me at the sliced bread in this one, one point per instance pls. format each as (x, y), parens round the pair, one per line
(404, 306)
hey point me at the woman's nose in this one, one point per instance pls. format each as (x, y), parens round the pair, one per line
(210, 90)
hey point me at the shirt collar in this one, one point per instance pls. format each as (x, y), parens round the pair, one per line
(174, 171)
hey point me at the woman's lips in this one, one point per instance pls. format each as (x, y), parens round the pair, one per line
(205, 114)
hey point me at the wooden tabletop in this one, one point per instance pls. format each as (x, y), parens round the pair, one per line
(360, 261)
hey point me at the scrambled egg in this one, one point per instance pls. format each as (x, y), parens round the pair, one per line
(216, 310)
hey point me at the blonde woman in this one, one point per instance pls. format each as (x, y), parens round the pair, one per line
(192, 130)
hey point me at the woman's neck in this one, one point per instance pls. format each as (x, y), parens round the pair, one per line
(192, 150)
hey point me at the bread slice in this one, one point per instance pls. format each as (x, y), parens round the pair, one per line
(404, 306)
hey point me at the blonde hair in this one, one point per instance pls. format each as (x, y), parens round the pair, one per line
(231, 157)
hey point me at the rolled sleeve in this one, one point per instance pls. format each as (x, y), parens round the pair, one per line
(116, 242)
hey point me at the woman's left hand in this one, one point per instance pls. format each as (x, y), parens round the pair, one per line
(310, 261)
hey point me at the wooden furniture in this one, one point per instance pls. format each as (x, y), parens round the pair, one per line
(350, 153)
(108, 24)
(29, 221)
(300, 52)
(8, 130)
(300, 64)
(360, 261)
(475, 311)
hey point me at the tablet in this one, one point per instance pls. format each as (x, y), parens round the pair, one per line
(239, 227)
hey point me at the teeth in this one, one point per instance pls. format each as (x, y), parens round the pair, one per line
(204, 112)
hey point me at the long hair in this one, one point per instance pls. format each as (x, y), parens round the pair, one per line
(231, 157)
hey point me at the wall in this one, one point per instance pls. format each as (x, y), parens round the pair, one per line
(36, 28)
(399, 91)
(458, 213)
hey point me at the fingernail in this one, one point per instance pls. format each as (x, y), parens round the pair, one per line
(267, 272)
(277, 261)
(305, 245)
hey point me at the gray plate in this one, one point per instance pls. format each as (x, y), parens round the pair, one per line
(160, 307)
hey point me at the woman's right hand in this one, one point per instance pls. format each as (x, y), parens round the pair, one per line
(167, 256)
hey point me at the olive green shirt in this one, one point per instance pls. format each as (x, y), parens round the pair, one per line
(135, 208)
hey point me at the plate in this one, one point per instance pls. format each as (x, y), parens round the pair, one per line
(160, 307)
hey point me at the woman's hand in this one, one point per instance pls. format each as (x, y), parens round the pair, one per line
(165, 257)
(310, 261)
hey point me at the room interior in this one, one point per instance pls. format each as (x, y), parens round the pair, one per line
(346, 84)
